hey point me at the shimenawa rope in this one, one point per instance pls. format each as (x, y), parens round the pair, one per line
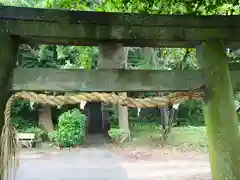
(10, 147)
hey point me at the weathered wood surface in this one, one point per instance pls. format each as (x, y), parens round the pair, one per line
(106, 18)
(93, 28)
(219, 112)
(115, 56)
(39, 79)
(8, 51)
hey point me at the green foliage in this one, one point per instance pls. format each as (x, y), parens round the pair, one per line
(115, 132)
(179, 58)
(71, 128)
(23, 3)
(27, 126)
(53, 136)
(113, 120)
(86, 56)
(19, 105)
(191, 113)
(67, 53)
(117, 135)
(39, 134)
(238, 115)
(47, 56)
(23, 125)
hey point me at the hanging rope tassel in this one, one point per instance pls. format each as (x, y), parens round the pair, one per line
(9, 145)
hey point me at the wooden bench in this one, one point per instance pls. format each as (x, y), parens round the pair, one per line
(26, 139)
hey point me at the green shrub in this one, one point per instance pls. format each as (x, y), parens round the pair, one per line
(53, 136)
(71, 128)
(117, 135)
(113, 120)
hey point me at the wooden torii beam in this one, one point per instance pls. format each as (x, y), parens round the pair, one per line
(210, 34)
(51, 26)
(62, 80)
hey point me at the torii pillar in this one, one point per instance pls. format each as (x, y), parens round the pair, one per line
(114, 56)
(219, 112)
(8, 57)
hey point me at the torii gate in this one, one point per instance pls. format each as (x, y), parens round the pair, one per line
(209, 34)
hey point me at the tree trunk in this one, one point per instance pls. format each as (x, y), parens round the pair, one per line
(219, 112)
(8, 54)
(114, 56)
(149, 54)
(45, 118)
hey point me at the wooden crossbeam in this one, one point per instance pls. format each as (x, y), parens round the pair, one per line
(110, 18)
(50, 26)
(49, 79)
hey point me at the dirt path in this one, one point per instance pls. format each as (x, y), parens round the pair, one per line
(103, 164)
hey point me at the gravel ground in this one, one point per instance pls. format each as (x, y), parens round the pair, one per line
(112, 164)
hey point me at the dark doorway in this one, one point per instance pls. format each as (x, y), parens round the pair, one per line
(95, 118)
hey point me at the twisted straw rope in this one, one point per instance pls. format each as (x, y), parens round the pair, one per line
(151, 102)
(10, 146)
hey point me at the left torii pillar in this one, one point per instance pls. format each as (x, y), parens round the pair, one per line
(8, 58)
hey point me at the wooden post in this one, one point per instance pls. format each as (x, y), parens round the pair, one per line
(219, 112)
(8, 53)
(45, 118)
(114, 56)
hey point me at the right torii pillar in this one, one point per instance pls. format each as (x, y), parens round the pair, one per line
(219, 112)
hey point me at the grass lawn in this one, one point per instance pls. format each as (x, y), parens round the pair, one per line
(187, 138)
